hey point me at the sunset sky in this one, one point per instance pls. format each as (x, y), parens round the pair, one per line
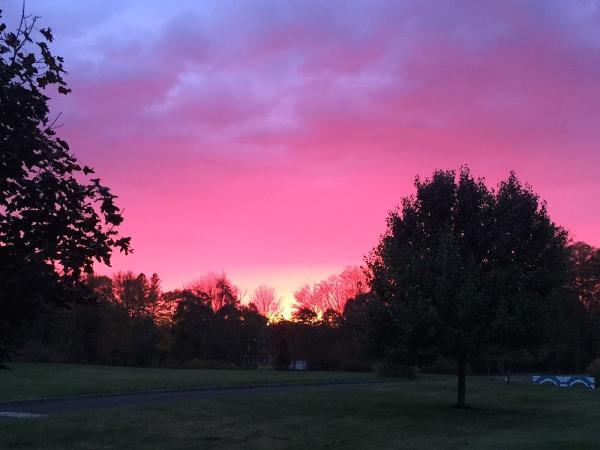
(270, 139)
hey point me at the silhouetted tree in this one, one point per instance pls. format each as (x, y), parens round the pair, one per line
(237, 335)
(138, 295)
(166, 307)
(333, 292)
(331, 318)
(266, 302)
(131, 292)
(582, 330)
(279, 348)
(225, 336)
(55, 222)
(369, 329)
(153, 295)
(305, 316)
(191, 327)
(101, 287)
(219, 289)
(115, 338)
(253, 331)
(145, 339)
(586, 271)
(307, 298)
(73, 333)
(463, 268)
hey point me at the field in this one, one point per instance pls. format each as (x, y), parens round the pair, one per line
(399, 414)
(35, 380)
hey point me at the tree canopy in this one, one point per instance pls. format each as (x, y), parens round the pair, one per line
(332, 293)
(55, 220)
(464, 268)
(267, 302)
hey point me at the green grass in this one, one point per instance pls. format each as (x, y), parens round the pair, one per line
(38, 380)
(409, 414)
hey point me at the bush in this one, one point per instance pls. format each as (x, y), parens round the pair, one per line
(594, 370)
(358, 366)
(249, 365)
(394, 370)
(442, 366)
(197, 363)
(37, 351)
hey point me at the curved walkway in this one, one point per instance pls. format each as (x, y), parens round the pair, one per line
(45, 407)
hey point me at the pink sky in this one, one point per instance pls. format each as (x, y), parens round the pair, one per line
(270, 139)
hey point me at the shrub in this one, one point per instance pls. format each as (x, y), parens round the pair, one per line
(358, 366)
(395, 370)
(37, 351)
(442, 366)
(197, 363)
(249, 365)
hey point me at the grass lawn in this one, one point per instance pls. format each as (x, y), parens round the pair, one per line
(39, 380)
(407, 414)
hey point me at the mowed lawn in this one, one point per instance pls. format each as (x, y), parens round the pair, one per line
(403, 414)
(40, 380)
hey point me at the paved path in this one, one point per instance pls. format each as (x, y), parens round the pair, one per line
(45, 407)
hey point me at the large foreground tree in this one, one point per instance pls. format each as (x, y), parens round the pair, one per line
(55, 221)
(465, 269)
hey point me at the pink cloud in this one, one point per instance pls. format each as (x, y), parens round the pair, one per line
(271, 138)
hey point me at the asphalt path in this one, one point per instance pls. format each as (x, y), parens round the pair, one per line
(45, 407)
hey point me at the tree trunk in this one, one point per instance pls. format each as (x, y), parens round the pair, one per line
(462, 375)
(506, 373)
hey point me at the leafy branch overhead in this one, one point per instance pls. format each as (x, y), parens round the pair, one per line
(48, 207)
(55, 222)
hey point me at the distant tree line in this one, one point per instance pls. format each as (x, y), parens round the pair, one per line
(127, 319)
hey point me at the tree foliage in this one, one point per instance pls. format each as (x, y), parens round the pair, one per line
(333, 292)
(267, 302)
(220, 290)
(463, 268)
(586, 267)
(55, 221)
